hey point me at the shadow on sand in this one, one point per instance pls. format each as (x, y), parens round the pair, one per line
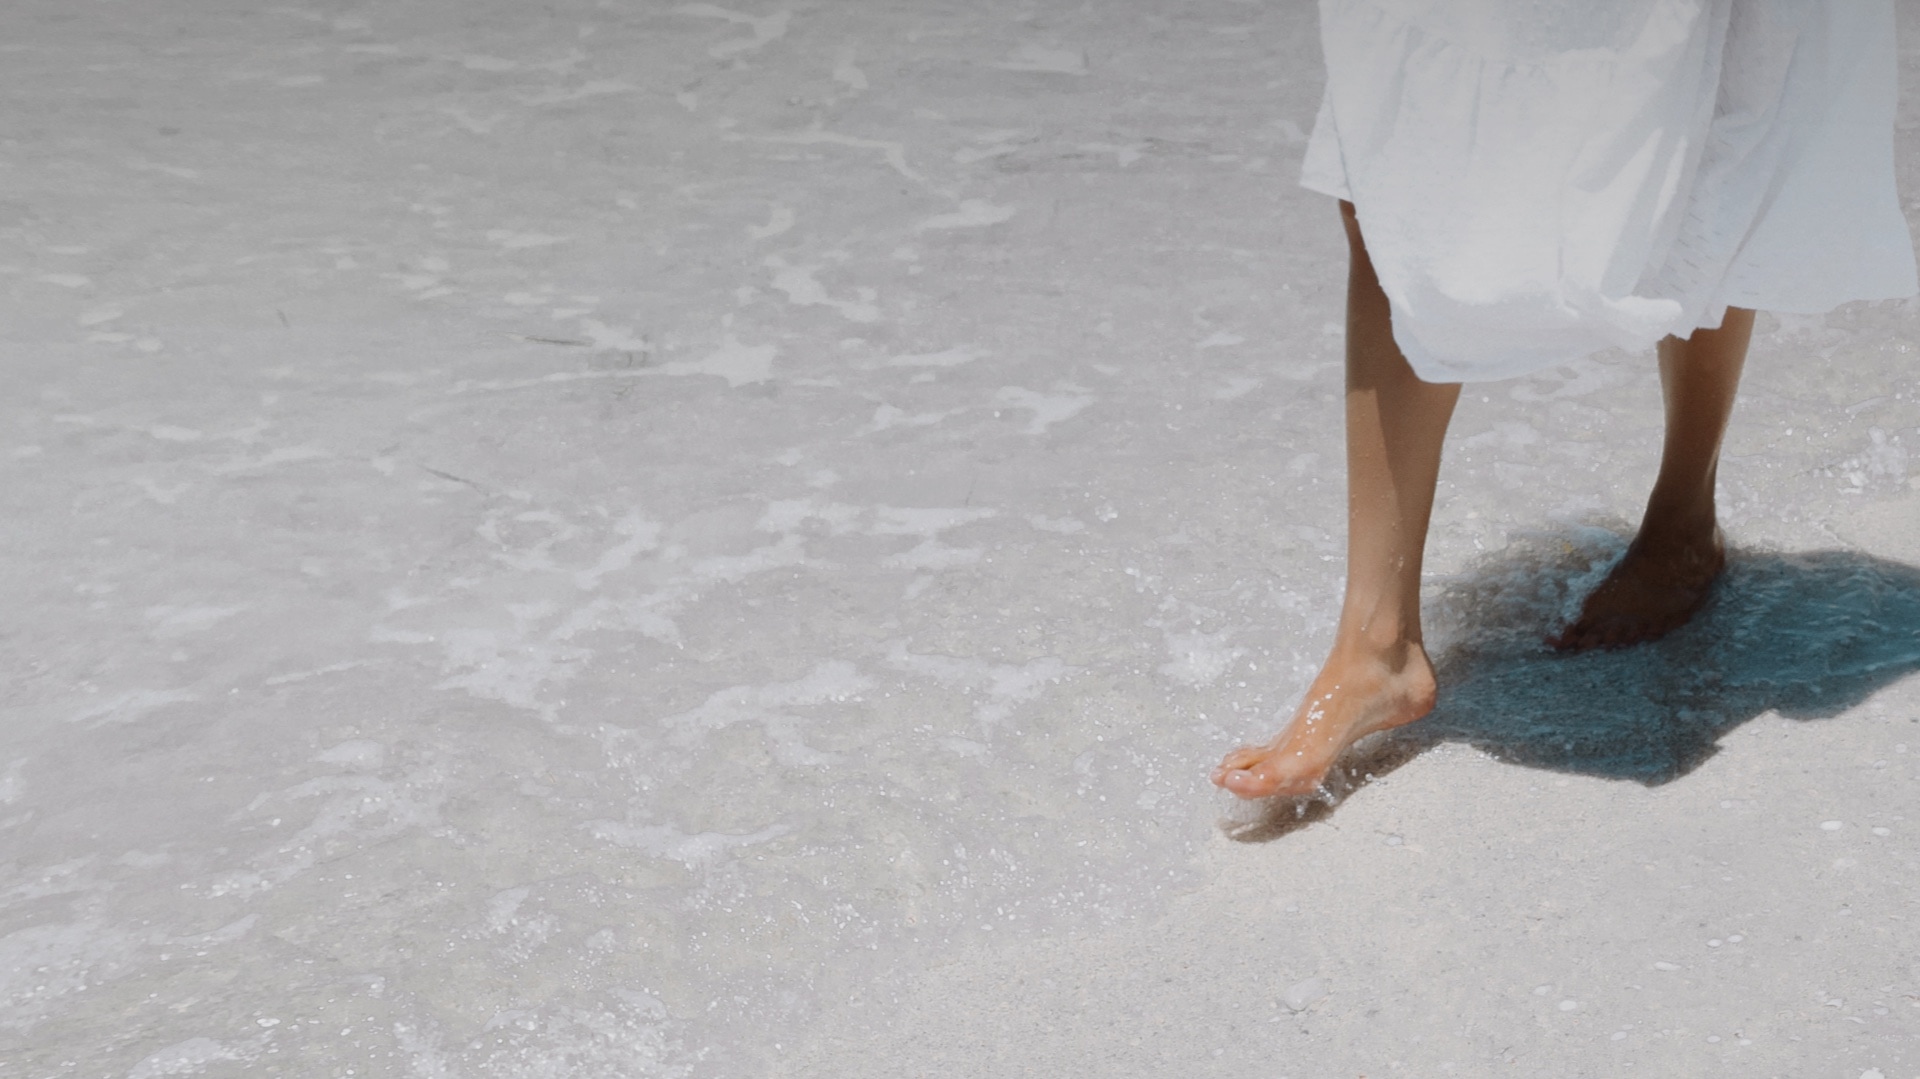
(1807, 636)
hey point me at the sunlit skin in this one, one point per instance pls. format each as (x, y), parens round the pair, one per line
(1377, 674)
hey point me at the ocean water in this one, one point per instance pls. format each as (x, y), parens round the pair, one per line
(565, 539)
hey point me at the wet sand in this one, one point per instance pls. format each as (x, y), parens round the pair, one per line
(677, 541)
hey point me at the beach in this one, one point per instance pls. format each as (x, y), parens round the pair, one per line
(586, 539)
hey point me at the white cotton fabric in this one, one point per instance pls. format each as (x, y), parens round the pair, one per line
(1537, 180)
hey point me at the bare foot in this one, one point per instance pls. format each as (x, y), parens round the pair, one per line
(1350, 699)
(1655, 589)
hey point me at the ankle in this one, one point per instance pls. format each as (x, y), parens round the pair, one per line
(1684, 513)
(1399, 669)
(1672, 528)
(1386, 648)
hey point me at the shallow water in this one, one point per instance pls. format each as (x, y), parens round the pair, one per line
(565, 541)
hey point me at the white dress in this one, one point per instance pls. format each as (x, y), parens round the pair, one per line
(1537, 180)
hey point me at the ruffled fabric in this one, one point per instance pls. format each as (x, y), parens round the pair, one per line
(1542, 179)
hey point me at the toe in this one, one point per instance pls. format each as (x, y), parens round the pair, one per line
(1575, 638)
(1242, 758)
(1235, 766)
(1255, 782)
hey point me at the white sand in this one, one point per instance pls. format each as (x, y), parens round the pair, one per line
(624, 540)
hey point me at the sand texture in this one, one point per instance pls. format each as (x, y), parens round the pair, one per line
(640, 540)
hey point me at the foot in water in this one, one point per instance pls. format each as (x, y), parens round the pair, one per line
(1351, 698)
(1655, 589)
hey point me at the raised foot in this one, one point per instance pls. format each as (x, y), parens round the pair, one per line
(1350, 699)
(1655, 589)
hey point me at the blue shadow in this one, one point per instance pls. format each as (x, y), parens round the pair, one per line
(1803, 635)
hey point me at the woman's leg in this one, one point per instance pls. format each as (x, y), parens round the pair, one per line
(1377, 675)
(1669, 570)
